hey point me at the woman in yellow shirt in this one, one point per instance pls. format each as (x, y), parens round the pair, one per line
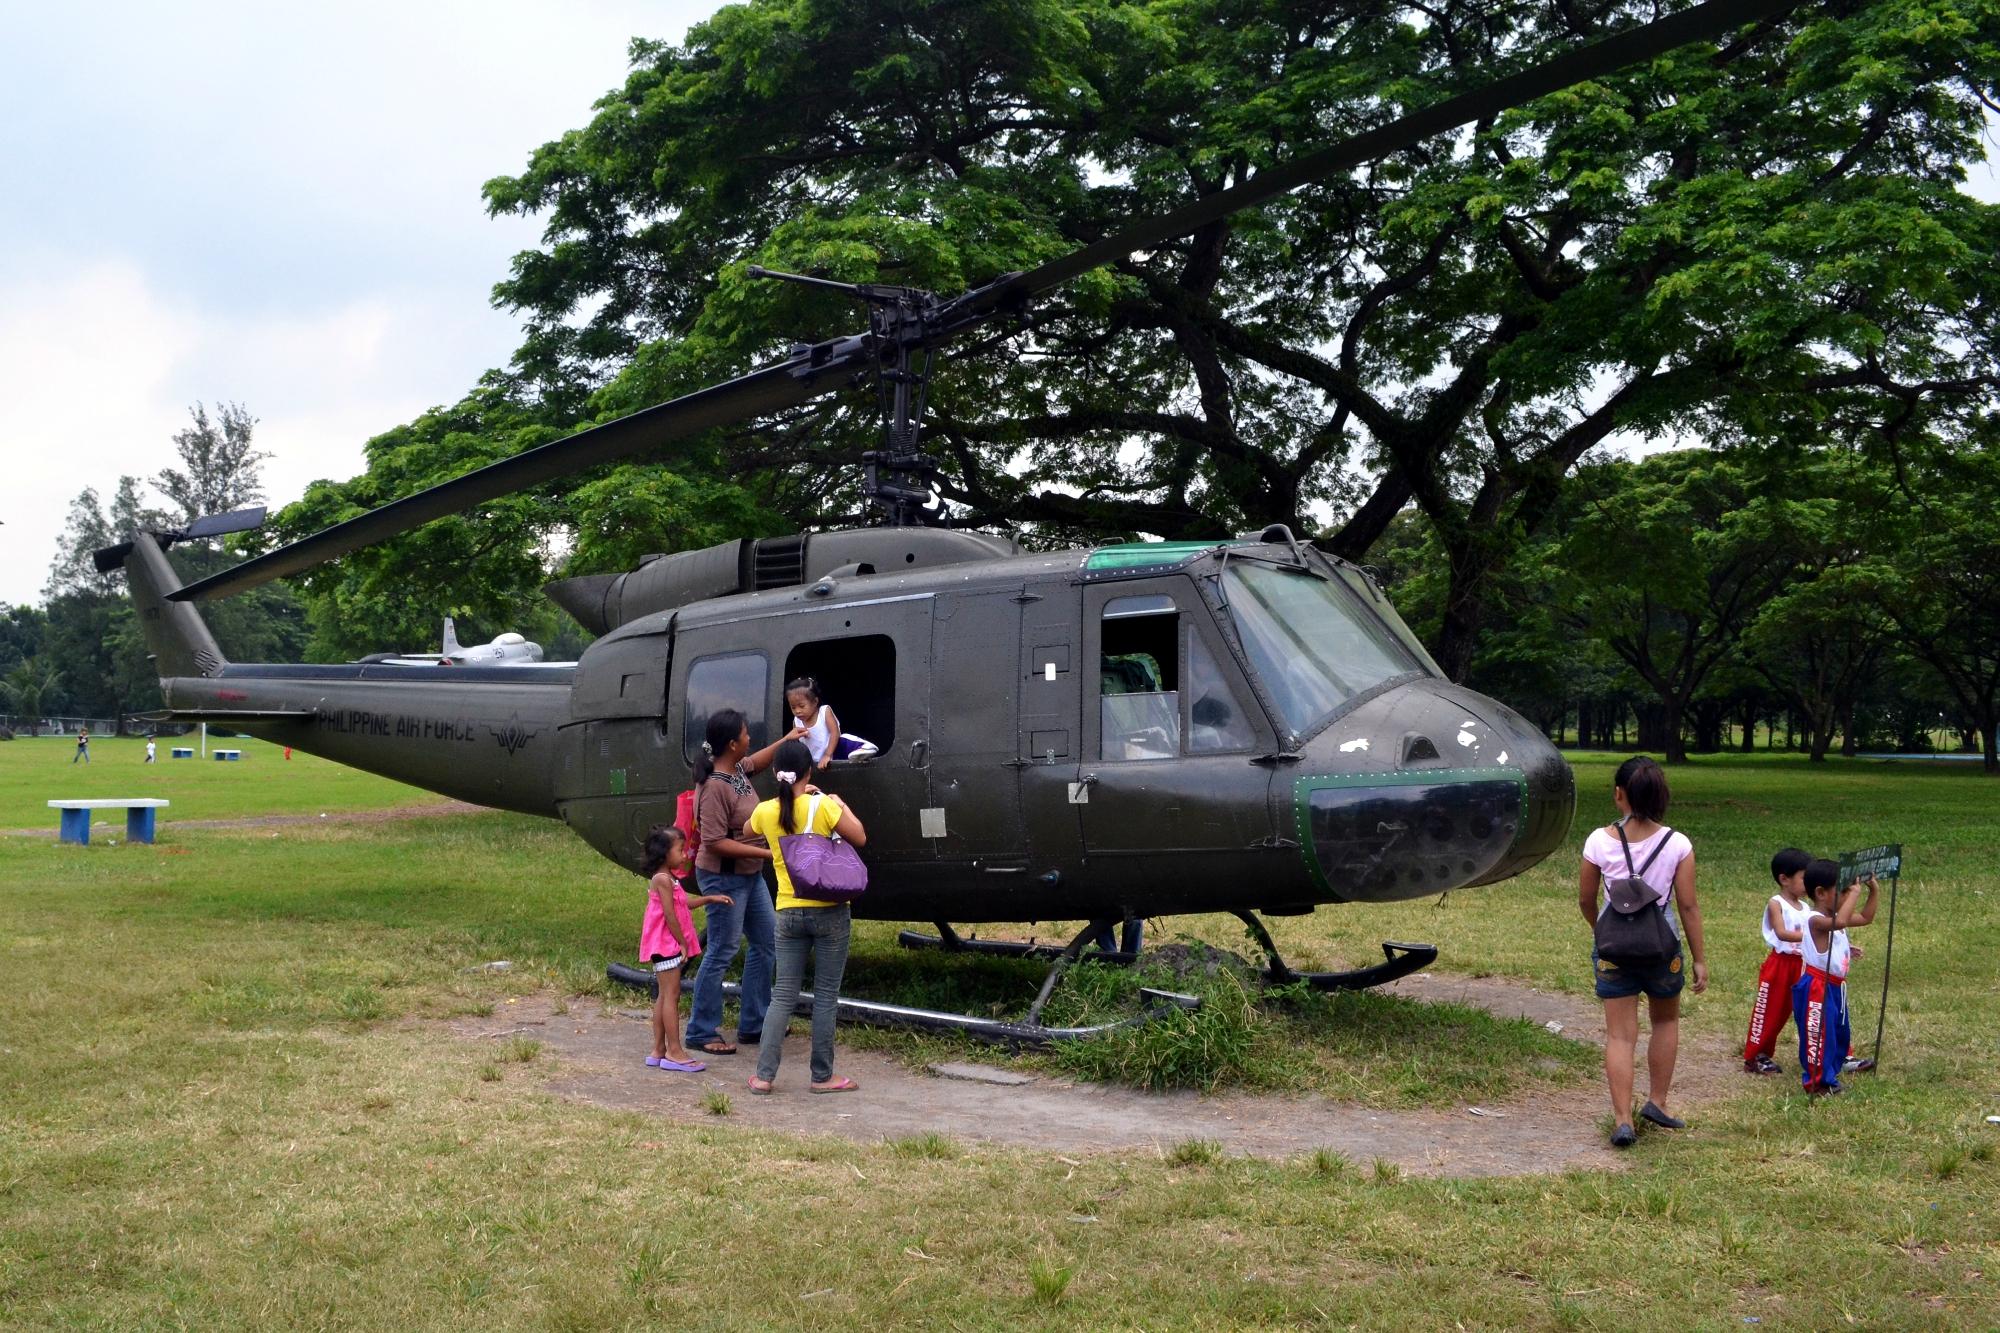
(803, 923)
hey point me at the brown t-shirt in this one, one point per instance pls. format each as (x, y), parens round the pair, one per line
(722, 808)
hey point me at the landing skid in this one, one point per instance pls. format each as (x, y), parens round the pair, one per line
(948, 940)
(1028, 1032)
(1398, 960)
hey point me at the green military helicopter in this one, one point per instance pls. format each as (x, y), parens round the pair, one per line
(1103, 734)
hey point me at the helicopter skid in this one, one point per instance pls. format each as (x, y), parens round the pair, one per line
(1000, 1031)
(1398, 960)
(954, 943)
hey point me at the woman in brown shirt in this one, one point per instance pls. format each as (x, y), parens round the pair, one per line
(731, 863)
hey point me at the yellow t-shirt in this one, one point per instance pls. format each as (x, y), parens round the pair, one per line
(764, 820)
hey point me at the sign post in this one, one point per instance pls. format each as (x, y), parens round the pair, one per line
(1884, 862)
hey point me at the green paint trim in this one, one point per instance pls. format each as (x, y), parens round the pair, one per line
(1304, 787)
(1146, 555)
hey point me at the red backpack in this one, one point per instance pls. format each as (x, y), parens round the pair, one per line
(685, 820)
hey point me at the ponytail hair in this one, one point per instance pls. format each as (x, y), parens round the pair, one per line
(810, 684)
(792, 766)
(1645, 786)
(661, 840)
(724, 726)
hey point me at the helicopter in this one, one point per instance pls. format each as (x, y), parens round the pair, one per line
(1107, 734)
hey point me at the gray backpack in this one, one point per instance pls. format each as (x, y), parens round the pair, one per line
(1633, 927)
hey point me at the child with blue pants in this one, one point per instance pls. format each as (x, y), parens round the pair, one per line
(1819, 999)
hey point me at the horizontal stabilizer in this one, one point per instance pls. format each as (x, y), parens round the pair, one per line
(215, 525)
(227, 715)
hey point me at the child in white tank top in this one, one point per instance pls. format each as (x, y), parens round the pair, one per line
(1784, 925)
(815, 724)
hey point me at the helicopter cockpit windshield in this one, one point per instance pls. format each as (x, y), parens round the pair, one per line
(1310, 643)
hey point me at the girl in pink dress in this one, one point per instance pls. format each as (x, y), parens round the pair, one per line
(667, 940)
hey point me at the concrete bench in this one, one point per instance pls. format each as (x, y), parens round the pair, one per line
(231, 755)
(140, 811)
(181, 752)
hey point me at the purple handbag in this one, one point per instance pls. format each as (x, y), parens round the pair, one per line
(822, 867)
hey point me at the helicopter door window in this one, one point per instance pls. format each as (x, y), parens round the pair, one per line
(1216, 720)
(1139, 702)
(857, 679)
(739, 680)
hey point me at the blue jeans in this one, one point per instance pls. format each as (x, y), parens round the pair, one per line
(824, 931)
(751, 916)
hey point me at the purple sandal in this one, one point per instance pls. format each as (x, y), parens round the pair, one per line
(670, 1066)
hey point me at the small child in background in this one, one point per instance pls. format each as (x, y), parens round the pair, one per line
(1784, 925)
(815, 724)
(1819, 1000)
(667, 940)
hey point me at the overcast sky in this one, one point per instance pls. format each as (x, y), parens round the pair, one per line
(272, 204)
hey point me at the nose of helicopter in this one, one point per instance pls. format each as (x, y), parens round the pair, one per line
(1429, 787)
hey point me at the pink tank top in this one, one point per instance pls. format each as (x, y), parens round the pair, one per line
(655, 940)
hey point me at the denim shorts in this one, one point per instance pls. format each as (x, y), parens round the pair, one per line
(1621, 981)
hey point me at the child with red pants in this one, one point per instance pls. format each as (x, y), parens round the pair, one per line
(1784, 926)
(1819, 1000)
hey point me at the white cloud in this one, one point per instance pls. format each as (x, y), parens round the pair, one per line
(274, 205)
(98, 368)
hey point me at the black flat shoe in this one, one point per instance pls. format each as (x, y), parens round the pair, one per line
(1661, 1118)
(1624, 1136)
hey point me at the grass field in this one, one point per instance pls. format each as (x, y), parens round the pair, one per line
(223, 1107)
(35, 771)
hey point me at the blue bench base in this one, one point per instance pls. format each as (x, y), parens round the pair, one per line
(140, 823)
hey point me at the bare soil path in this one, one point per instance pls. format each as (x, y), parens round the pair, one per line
(600, 1048)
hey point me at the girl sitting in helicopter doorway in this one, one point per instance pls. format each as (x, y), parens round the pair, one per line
(667, 940)
(817, 725)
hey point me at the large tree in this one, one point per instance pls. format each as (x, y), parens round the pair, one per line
(1711, 244)
(1667, 562)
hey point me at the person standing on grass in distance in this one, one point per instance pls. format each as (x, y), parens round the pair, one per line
(82, 747)
(804, 923)
(1664, 861)
(730, 867)
(1784, 923)
(152, 752)
(667, 941)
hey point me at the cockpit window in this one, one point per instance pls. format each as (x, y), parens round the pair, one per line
(1311, 645)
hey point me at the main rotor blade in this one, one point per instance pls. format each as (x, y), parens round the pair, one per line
(820, 369)
(1588, 62)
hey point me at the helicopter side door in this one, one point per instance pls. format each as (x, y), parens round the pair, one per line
(872, 663)
(1174, 796)
(972, 817)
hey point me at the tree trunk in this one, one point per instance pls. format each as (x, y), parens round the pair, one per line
(1989, 732)
(1849, 746)
(1458, 632)
(1749, 725)
(1583, 724)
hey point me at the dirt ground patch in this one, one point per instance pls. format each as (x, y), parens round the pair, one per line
(600, 1048)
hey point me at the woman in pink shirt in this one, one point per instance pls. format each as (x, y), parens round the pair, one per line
(1664, 861)
(667, 940)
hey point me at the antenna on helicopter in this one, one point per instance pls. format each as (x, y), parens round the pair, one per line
(899, 479)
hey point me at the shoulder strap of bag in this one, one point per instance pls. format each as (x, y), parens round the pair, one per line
(812, 812)
(1629, 871)
(1656, 851)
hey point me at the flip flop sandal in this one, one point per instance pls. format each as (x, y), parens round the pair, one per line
(756, 1091)
(837, 1085)
(670, 1066)
(717, 1048)
(653, 1061)
(749, 1038)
